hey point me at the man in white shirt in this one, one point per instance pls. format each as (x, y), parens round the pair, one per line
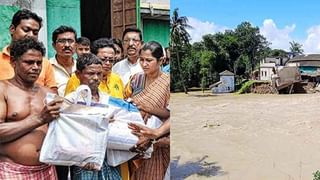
(63, 41)
(132, 42)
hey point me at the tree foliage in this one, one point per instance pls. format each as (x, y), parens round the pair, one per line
(252, 43)
(239, 51)
(179, 41)
(296, 48)
(276, 53)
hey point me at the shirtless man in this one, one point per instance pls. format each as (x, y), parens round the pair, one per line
(24, 116)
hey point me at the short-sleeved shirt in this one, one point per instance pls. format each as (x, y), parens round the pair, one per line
(112, 85)
(125, 69)
(61, 75)
(46, 77)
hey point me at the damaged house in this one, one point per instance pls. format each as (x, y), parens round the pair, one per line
(309, 67)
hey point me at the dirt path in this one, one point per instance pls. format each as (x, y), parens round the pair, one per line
(249, 137)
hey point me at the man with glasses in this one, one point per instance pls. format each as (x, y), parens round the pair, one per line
(63, 41)
(26, 24)
(111, 82)
(132, 42)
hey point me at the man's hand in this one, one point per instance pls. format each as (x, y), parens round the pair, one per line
(51, 110)
(90, 167)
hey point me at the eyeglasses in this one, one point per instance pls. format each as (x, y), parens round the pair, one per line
(135, 41)
(64, 41)
(110, 59)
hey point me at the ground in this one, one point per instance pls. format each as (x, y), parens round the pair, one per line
(249, 136)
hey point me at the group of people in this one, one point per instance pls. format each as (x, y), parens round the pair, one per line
(127, 69)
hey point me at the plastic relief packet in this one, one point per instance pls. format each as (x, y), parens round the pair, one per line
(79, 135)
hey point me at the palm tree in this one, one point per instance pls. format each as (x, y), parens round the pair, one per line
(179, 37)
(296, 48)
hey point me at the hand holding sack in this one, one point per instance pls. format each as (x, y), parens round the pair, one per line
(79, 135)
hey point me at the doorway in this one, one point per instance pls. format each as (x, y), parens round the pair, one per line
(95, 19)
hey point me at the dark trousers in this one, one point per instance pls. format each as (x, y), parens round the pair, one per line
(63, 171)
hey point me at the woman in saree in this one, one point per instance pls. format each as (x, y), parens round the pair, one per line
(150, 91)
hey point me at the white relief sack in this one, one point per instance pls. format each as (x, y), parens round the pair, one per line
(79, 135)
(120, 138)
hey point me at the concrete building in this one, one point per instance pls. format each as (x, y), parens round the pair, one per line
(309, 66)
(266, 71)
(226, 83)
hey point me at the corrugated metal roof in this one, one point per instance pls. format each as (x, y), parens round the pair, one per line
(306, 60)
(309, 57)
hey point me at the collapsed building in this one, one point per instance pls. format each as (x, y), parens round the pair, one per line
(309, 66)
(300, 74)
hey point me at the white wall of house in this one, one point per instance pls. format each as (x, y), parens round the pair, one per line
(229, 82)
(226, 86)
(157, 4)
(266, 71)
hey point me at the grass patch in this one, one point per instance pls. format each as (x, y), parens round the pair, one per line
(245, 88)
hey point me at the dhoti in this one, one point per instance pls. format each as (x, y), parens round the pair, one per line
(13, 171)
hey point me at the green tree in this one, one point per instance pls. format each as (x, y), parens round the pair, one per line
(251, 42)
(276, 53)
(239, 51)
(229, 42)
(191, 64)
(206, 59)
(296, 48)
(212, 43)
(179, 40)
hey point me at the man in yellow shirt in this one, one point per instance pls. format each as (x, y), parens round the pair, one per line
(26, 24)
(111, 83)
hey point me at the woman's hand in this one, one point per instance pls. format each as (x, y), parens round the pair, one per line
(145, 115)
(140, 130)
(142, 145)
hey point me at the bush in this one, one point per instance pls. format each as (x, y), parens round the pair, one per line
(245, 88)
